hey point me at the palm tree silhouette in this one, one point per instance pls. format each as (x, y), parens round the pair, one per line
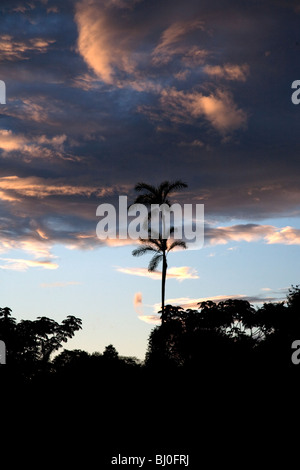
(160, 246)
(159, 194)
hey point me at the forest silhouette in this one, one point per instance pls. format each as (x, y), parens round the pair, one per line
(206, 369)
(209, 375)
(226, 338)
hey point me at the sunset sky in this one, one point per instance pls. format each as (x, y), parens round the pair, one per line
(103, 94)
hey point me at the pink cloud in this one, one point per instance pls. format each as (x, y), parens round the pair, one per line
(105, 47)
(138, 303)
(179, 273)
(38, 187)
(170, 42)
(18, 264)
(228, 71)
(39, 147)
(218, 108)
(12, 49)
(151, 319)
(252, 233)
(109, 42)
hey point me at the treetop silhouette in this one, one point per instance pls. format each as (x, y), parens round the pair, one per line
(31, 341)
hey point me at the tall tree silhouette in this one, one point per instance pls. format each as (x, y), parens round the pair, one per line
(160, 246)
(35, 340)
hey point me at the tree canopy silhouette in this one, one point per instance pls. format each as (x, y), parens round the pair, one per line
(30, 343)
(227, 334)
(218, 338)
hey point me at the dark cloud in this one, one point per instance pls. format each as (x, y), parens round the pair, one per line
(103, 94)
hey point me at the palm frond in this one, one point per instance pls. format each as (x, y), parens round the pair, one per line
(180, 243)
(154, 262)
(157, 195)
(160, 243)
(146, 199)
(177, 185)
(142, 250)
(167, 187)
(144, 186)
(163, 189)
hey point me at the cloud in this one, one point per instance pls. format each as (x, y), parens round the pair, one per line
(124, 53)
(39, 212)
(220, 110)
(181, 107)
(253, 233)
(143, 272)
(40, 109)
(10, 142)
(40, 147)
(286, 236)
(138, 303)
(179, 273)
(194, 143)
(150, 319)
(138, 299)
(35, 187)
(192, 303)
(34, 243)
(170, 42)
(31, 243)
(247, 232)
(228, 71)
(18, 264)
(121, 49)
(16, 49)
(118, 242)
(59, 284)
(104, 44)
(156, 81)
(39, 248)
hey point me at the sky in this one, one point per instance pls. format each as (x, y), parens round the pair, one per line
(103, 94)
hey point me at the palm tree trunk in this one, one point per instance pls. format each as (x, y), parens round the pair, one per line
(163, 285)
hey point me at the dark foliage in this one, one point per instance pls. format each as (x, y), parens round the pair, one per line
(210, 375)
(227, 336)
(230, 337)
